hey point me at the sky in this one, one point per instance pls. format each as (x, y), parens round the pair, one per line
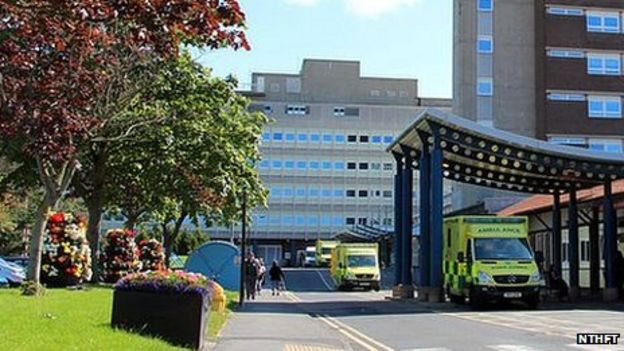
(391, 38)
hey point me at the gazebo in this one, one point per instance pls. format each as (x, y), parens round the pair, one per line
(442, 145)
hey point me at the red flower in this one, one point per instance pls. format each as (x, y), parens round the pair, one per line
(58, 217)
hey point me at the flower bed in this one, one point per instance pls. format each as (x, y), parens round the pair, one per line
(152, 255)
(66, 257)
(172, 282)
(120, 255)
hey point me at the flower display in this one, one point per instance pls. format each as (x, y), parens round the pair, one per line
(151, 255)
(120, 254)
(66, 257)
(167, 281)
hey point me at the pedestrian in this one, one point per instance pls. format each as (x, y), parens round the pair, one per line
(277, 276)
(261, 274)
(251, 276)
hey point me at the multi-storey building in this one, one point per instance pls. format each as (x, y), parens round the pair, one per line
(550, 69)
(324, 158)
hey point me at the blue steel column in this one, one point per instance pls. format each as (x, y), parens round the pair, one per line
(573, 240)
(407, 211)
(398, 221)
(610, 235)
(556, 232)
(425, 219)
(437, 198)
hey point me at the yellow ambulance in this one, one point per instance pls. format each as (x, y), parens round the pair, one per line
(356, 265)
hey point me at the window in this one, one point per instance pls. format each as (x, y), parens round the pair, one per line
(351, 165)
(339, 165)
(287, 220)
(603, 22)
(363, 193)
(339, 111)
(296, 110)
(326, 193)
(350, 193)
(374, 92)
(584, 250)
(278, 136)
(362, 221)
(403, 94)
(265, 164)
(387, 166)
(352, 138)
(391, 93)
(293, 85)
(301, 165)
(363, 138)
(565, 53)
(570, 141)
(484, 87)
(564, 252)
(289, 192)
(376, 139)
(604, 64)
(388, 139)
(328, 138)
(605, 145)
(302, 138)
(266, 136)
(313, 192)
(486, 5)
(352, 111)
(387, 193)
(339, 193)
(485, 44)
(275, 87)
(277, 164)
(605, 106)
(301, 192)
(363, 166)
(327, 165)
(566, 97)
(315, 138)
(564, 11)
(375, 166)
(300, 221)
(325, 221)
(314, 165)
(290, 137)
(289, 164)
(276, 192)
(349, 221)
(340, 139)
(268, 109)
(337, 221)
(376, 193)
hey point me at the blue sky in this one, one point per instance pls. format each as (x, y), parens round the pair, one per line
(394, 38)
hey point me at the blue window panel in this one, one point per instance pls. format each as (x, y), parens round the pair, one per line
(327, 165)
(486, 5)
(266, 136)
(612, 24)
(278, 136)
(315, 138)
(312, 220)
(376, 139)
(289, 192)
(340, 139)
(302, 138)
(301, 192)
(325, 221)
(484, 87)
(290, 137)
(300, 221)
(314, 165)
(339, 165)
(613, 109)
(262, 219)
(594, 21)
(339, 193)
(276, 164)
(328, 138)
(275, 220)
(337, 221)
(301, 164)
(313, 192)
(265, 164)
(326, 193)
(276, 192)
(387, 139)
(485, 46)
(287, 220)
(289, 164)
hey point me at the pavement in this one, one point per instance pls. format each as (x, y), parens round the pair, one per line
(312, 316)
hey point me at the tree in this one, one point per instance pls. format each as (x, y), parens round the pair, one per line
(58, 59)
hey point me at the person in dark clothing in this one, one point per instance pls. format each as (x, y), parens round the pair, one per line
(556, 282)
(277, 277)
(251, 276)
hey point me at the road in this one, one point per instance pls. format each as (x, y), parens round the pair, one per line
(312, 316)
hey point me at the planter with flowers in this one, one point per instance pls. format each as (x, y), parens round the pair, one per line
(120, 255)
(171, 305)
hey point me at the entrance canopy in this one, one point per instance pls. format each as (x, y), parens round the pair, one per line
(489, 157)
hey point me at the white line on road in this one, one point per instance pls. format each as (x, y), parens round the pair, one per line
(324, 281)
(368, 339)
(511, 348)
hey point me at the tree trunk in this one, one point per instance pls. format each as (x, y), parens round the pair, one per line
(168, 236)
(93, 234)
(36, 237)
(167, 243)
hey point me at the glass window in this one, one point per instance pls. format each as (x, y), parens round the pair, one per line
(363, 138)
(276, 164)
(388, 139)
(363, 193)
(296, 109)
(502, 249)
(289, 164)
(484, 87)
(339, 165)
(485, 45)
(350, 193)
(328, 138)
(289, 192)
(313, 192)
(301, 192)
(387, 166)
(606, 145)
(278, 136)
(325, 220)
(339, 111)
(262, 219)
(605, 106)
(276, 192)
(327, 165)
(603, 64)
(376, 139)
(287, 220)
(301, 164)
(349, 221)
(302, 138)
(565, 53)
(266, 136)
(339, 193)
(387, 193)
(603, 22)
(363, 165)
(314, 165)
(375, 166)
(351, 165)
(340, 139)
(337, 220)
(352, 138)
(326, 193)
(361, 260)
(265, 164)
(315, 138)
(566, 97)
(300, 221)
(290, 137)
(312, 220)
(565, 11)
(486, 5)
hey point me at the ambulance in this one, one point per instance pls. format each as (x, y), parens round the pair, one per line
(356, 265)
(488, 259)
(323, 251)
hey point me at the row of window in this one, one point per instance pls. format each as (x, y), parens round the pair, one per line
(597, 106)
(325, 165)
(316, 220)
(326, 138)
(302, 110)
(584, 251)
(596, 21)
(597, 63)
(288, 192)
(595, 144)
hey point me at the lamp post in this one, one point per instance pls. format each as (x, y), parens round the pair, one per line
(241, 298)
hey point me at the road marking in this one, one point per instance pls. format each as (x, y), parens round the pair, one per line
(429, 349)
(324, 281)
(597, 347)
(345, 332)
(292, 297)
(291, 347)
(343, 326)
(511, 348)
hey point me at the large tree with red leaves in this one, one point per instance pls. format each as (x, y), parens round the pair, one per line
(59, 62)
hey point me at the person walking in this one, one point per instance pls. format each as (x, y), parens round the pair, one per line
(251, 276)
(277, 276)
(261, 274)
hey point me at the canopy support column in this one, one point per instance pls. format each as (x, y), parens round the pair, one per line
(573, 240)
(437, 218)
(556, 233)
(425, 219)
(398, 221)
(594, 251)
(610, 292)
(407, 225)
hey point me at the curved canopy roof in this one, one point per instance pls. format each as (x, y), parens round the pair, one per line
(489, 157)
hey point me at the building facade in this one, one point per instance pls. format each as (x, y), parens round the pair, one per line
(550, 69)
(324, 155)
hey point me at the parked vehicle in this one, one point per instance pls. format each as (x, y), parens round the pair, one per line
(310, 256)
(21, 261)
(356, 265)
(324, 251)
(488, 259)
(11, 273)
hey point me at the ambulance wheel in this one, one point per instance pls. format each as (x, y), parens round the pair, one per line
(476, 301)
(458, 299)
(532, 302)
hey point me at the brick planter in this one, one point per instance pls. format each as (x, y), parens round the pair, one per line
(177, 318)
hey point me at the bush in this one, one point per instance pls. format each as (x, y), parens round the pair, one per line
(66, 257)
(120, 255)
(151, 255)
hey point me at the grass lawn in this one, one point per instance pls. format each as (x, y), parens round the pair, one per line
(74, 320)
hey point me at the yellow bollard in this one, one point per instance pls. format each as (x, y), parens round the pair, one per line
(218, 299)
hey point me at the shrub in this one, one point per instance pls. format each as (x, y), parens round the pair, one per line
(152, 255)
(120, 255)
